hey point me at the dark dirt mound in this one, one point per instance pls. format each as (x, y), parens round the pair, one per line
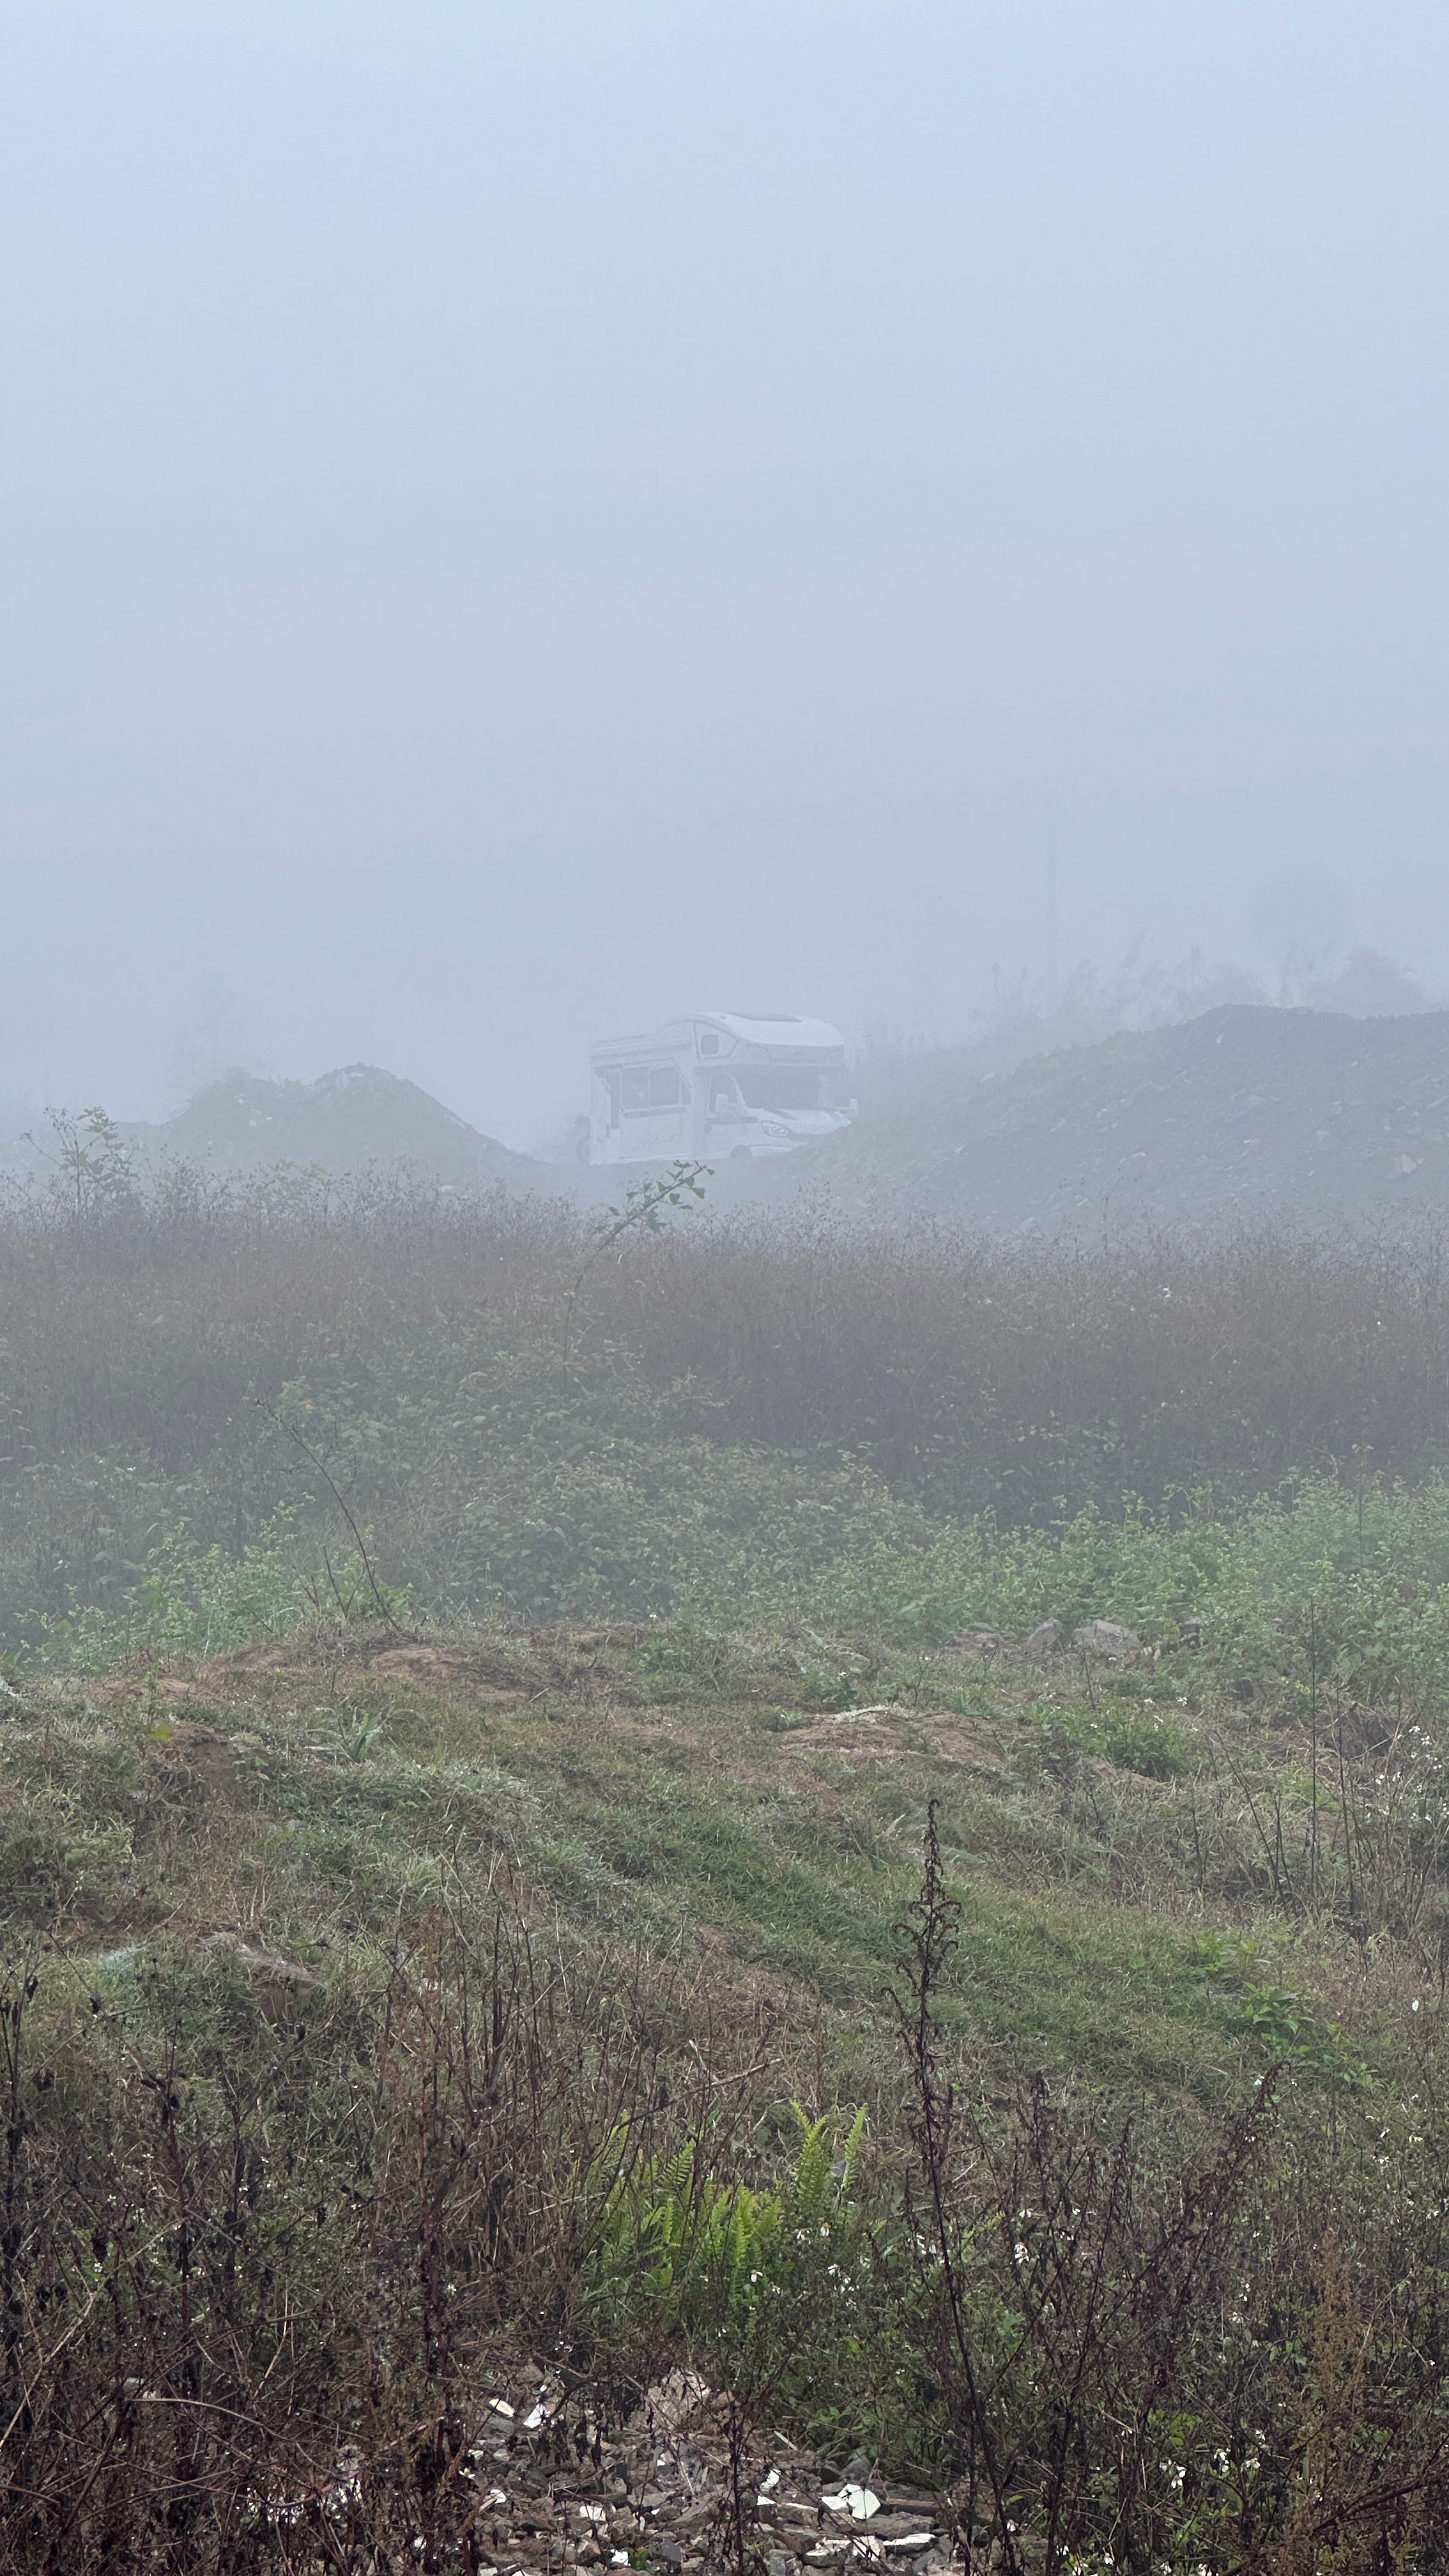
(1245, 1114)
(357, 1119)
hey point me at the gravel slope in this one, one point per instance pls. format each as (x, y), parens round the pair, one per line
(1245, 1114)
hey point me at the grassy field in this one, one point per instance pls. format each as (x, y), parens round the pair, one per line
(341, 1966)
(215, 1403)
(727, 1823)
(514, 1852)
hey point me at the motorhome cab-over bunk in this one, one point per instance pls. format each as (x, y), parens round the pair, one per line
(713, 1085)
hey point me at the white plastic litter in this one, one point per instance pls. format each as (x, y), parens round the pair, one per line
(859, 2502)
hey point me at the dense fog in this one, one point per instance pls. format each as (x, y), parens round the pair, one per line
(527, 517)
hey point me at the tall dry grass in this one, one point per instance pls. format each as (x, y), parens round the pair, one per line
(970, 1374)
(983, 1374)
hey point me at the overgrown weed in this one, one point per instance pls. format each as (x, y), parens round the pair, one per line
(252, 2222)
(791, 1418)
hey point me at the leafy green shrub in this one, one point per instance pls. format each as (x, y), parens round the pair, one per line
(822, 1687)
(192, 1601)
(1274, 2018)
(1134, 1738)
(677, 2244)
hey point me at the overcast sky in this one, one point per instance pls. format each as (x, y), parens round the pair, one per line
(523, 515)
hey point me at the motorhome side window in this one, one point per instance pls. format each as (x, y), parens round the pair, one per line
(781, 1086)
(653, 1086)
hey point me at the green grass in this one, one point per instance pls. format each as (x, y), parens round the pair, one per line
(205, 1396)
(713, 1908)
(697, 1823)
(580, 1728)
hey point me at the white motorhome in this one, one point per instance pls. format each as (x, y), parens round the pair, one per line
(715, 1085)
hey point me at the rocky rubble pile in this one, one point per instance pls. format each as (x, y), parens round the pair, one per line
(357, 1119)
(684, 2485)
(1243, 1115)
(1104, 1639)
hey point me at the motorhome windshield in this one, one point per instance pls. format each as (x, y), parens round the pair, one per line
(781, 1086)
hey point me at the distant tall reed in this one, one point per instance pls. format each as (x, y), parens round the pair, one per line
(970, 1374)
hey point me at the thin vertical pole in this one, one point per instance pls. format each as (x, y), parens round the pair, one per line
(1313, 1724)
(1051, 899)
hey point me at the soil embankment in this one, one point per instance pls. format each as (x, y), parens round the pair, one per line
(1243, 1115)
(356, 1119)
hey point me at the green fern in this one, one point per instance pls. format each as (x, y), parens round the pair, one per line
(681, 2241)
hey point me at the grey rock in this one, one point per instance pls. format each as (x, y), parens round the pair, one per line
(1107, 1637)
(1049, 1639)
(280, 1982)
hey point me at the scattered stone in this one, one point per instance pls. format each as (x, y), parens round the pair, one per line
(857, 2501)
(281, 1983)
(671, 2405)
(1107, 1637)
(1049, 1639)
(557, 2493)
